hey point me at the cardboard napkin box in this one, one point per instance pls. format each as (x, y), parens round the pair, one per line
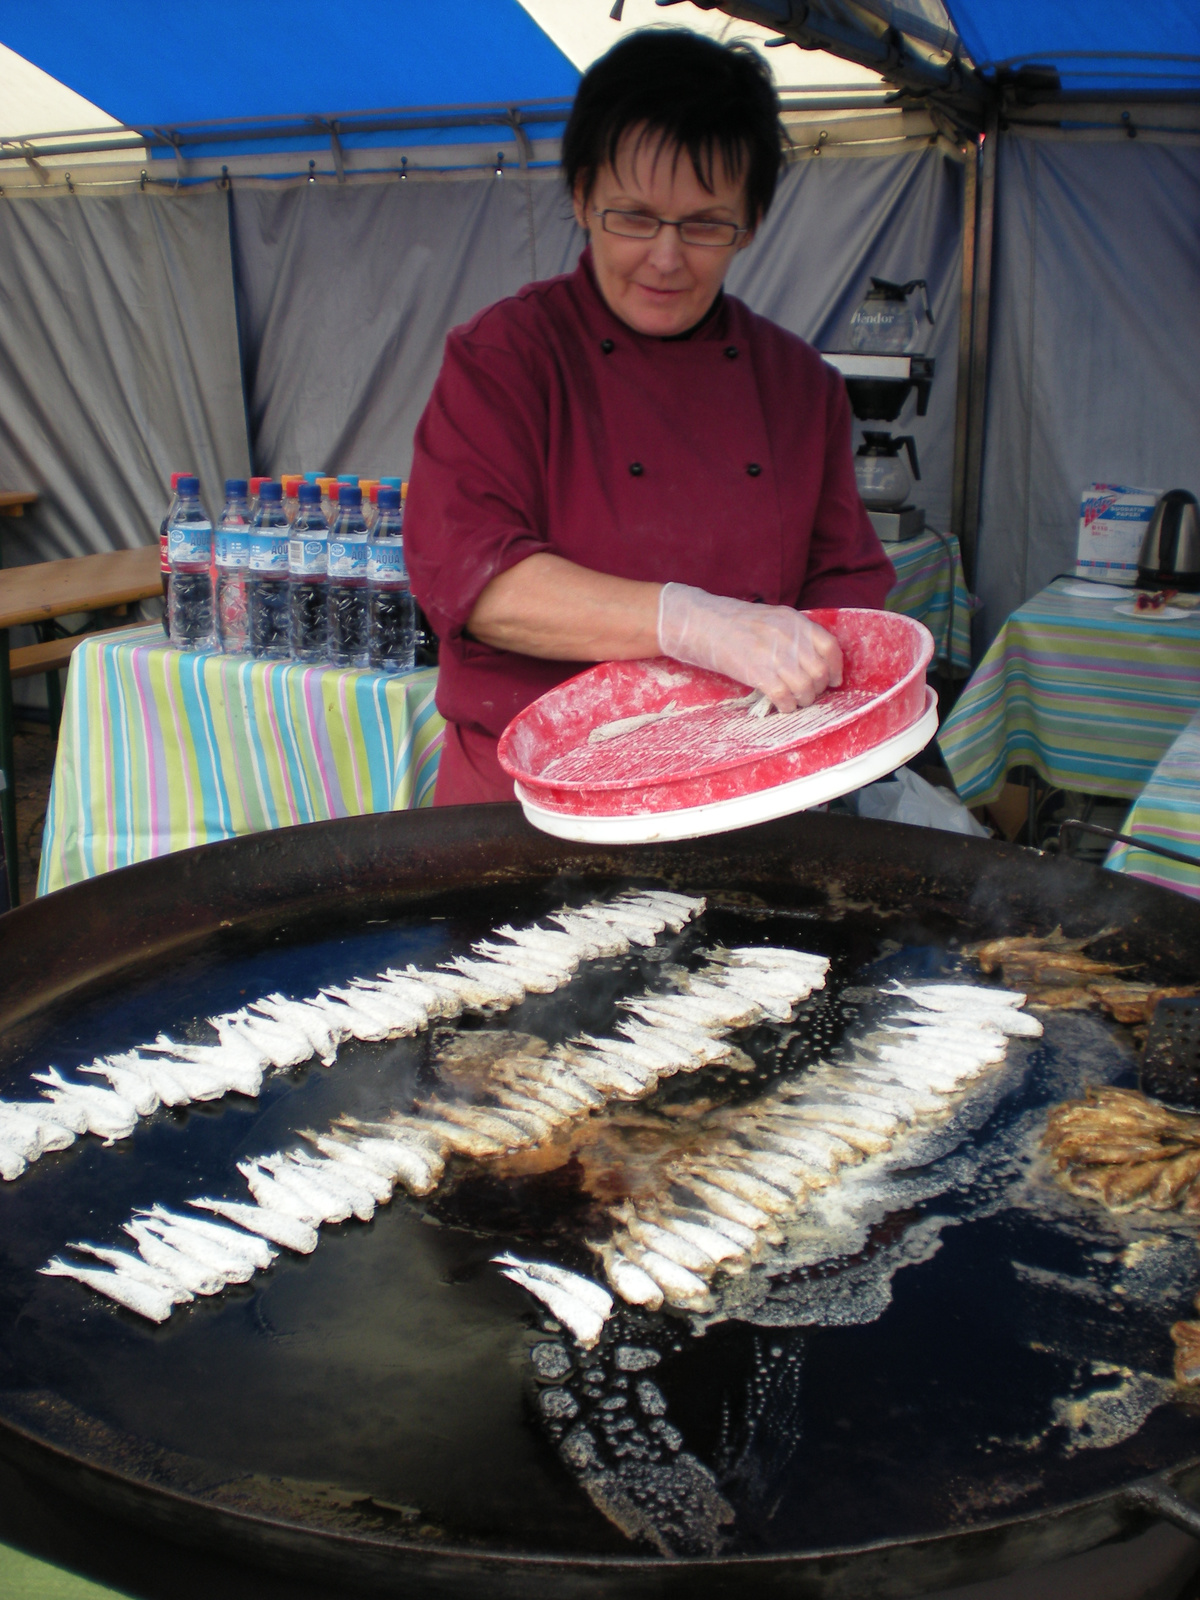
(1112, 524)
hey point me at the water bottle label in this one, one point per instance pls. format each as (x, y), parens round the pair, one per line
(307, 557)
(233, 548)
(190, 542)
(385, 563)
(268, 552)
(348, 559)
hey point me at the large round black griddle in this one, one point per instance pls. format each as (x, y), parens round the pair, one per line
(368, 1416)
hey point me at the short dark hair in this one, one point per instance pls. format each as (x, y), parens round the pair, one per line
(684, 91)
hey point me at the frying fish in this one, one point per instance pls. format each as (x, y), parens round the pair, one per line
(132, 1082)
(233, 1266)
(83, 1108)
(633, 1284)
(135, 1295)
(680, 1288)
(280, 1227)
(131, 1266)
(195, 1275)
(308, 1020)
(577, 1302)
(251, 1246)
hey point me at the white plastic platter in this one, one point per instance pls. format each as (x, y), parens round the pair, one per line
(743, 811)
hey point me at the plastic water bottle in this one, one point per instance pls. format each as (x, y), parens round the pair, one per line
(164, 558)
(267, 578)
(392, 629)
(291, 503)
(190, 544)
(233, 558)
(348, 581)
(308, 578)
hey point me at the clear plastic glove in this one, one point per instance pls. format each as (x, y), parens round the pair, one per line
(771, 648)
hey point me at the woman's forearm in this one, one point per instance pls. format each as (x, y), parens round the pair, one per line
(548, 607)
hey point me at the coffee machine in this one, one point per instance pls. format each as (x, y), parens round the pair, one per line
(880, 375)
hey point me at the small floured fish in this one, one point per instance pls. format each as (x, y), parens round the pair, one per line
(146, 1299)
(252, 1247)
(575, 1301)
(280, 1227)
(132, 1266)
(85, 1108)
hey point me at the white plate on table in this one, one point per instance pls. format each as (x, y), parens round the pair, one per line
(1128, 608)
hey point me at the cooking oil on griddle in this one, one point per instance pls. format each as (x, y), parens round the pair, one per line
(394, 1385)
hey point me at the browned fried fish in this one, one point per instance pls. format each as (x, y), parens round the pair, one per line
(1186, 1337)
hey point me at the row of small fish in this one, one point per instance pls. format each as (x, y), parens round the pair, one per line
(344, 1174)
(532, 1096)
(720, 1203)
(357, 1165)
(276, 1032)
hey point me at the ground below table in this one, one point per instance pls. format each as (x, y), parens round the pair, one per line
(161, 749)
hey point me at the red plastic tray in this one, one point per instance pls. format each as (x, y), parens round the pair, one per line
(711, 750)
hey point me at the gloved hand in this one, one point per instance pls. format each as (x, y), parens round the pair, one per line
(772, 648)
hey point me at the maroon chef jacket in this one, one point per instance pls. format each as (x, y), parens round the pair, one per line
(721, 460)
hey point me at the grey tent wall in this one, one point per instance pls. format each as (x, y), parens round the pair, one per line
(1095, 348)
(124, 355)
(835, 224)
(346, 292)
(118, 362)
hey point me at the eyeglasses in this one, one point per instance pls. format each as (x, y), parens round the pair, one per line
(693, 230)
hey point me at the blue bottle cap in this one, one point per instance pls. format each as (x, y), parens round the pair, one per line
(188, 485)
(349, 494)
(309, 494)
(388, 499)
(391, 483)
(348, 477)
(235, 488)
(271, 493)
(311, 477)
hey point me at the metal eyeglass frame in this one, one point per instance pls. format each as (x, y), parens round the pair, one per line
(665, 222)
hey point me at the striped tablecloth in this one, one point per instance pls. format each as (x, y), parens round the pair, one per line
(1167, 812)
(1090, 698)
(929, 577)
(159, 750)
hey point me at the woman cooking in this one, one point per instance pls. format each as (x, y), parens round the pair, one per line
(626, 461)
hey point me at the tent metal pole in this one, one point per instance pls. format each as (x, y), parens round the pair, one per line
(980, 322)
(966, 299)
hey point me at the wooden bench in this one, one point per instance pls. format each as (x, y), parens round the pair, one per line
(30, 660)
(35, 595)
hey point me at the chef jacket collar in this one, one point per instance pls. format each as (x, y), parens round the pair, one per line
(712, 325)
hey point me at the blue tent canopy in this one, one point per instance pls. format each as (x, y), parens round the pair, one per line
(288, 59)
(283, 58)
(1093, 44)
